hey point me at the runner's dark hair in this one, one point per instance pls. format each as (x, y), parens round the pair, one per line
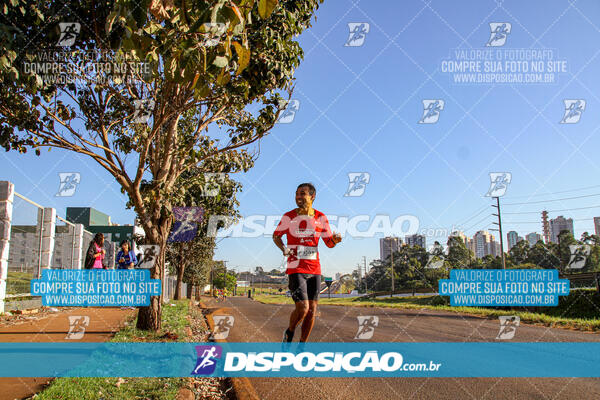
(98, 238)
(310, 186)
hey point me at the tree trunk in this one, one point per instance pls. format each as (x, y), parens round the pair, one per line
(190, 289)
(149, 318)
(180, 269)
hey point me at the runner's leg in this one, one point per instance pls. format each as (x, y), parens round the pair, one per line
(299, 314)
(313, 285)
(298, 289)
(309, 320)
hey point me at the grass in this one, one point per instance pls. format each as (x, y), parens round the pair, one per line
(18, 282)
(174, 321)
(580, 310)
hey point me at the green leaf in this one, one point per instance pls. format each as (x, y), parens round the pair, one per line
(266, 7)
(243, 57)
(201, 91)
(223, 78)
(220, 61)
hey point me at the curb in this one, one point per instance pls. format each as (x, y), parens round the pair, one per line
(244, 390)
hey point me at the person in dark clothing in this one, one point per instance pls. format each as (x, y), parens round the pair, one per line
(126, 258)
(95, 253)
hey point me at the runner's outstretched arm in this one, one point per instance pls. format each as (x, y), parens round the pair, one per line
(330, 238)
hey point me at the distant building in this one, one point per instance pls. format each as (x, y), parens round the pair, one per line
(387, 245)
(495, 249)
(416, 240)
(597, 225)
(533, 238)
(98, 222)
(484, 244)
(559, 224)
(469, 244)
(25, 245)
(512, 238)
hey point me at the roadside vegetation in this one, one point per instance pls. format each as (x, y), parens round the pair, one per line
(174, 328)
(580, 310)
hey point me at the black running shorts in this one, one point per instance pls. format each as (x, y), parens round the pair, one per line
(304, 286)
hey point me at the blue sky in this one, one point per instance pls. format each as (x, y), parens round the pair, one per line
(359, 112)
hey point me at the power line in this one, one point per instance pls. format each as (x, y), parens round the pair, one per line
(474, 216)
(478, 222)
(548, 201)
(564, 209)
(538, 222)
(550, 194)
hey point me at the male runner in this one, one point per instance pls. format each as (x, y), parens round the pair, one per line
(303, 227)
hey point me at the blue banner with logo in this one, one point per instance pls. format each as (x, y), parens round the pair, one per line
(83, 287)
(504, 287)
(300, 360)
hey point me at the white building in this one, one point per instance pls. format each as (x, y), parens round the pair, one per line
(484, 244)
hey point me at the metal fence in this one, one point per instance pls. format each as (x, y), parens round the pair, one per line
(34, 238)
(169, 286)
(38, 240)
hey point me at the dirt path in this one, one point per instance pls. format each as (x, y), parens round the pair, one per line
(103, 323)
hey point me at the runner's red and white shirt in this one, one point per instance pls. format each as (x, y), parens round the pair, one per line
(303, 233)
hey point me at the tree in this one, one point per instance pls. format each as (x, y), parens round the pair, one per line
(379, 276)
(198, 273)
(212, 59)
(519, 252)
(541, 255)
(593, 259)
(224, 203)
(224, 280)
(458, 254)
(562, 250)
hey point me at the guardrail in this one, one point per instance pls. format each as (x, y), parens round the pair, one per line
(592, 278)
(399, 291)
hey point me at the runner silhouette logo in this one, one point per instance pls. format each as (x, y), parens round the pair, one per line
(68, 33)
(223, 324)
(579, 255)
(207, 359)
(431, 111)
(573, 110)
(366, 326)
(77, 325)
(358, 34)
(499, 33)
(508, 326)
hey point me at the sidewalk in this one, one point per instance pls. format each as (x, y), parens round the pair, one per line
(103, 323)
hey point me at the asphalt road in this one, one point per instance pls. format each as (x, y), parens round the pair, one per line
(256, 322)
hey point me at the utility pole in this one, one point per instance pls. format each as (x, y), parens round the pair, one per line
(212, 288)
(366, 280)
(499, 223)
(392, 265)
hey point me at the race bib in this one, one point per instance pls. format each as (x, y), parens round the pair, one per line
(306, 252)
